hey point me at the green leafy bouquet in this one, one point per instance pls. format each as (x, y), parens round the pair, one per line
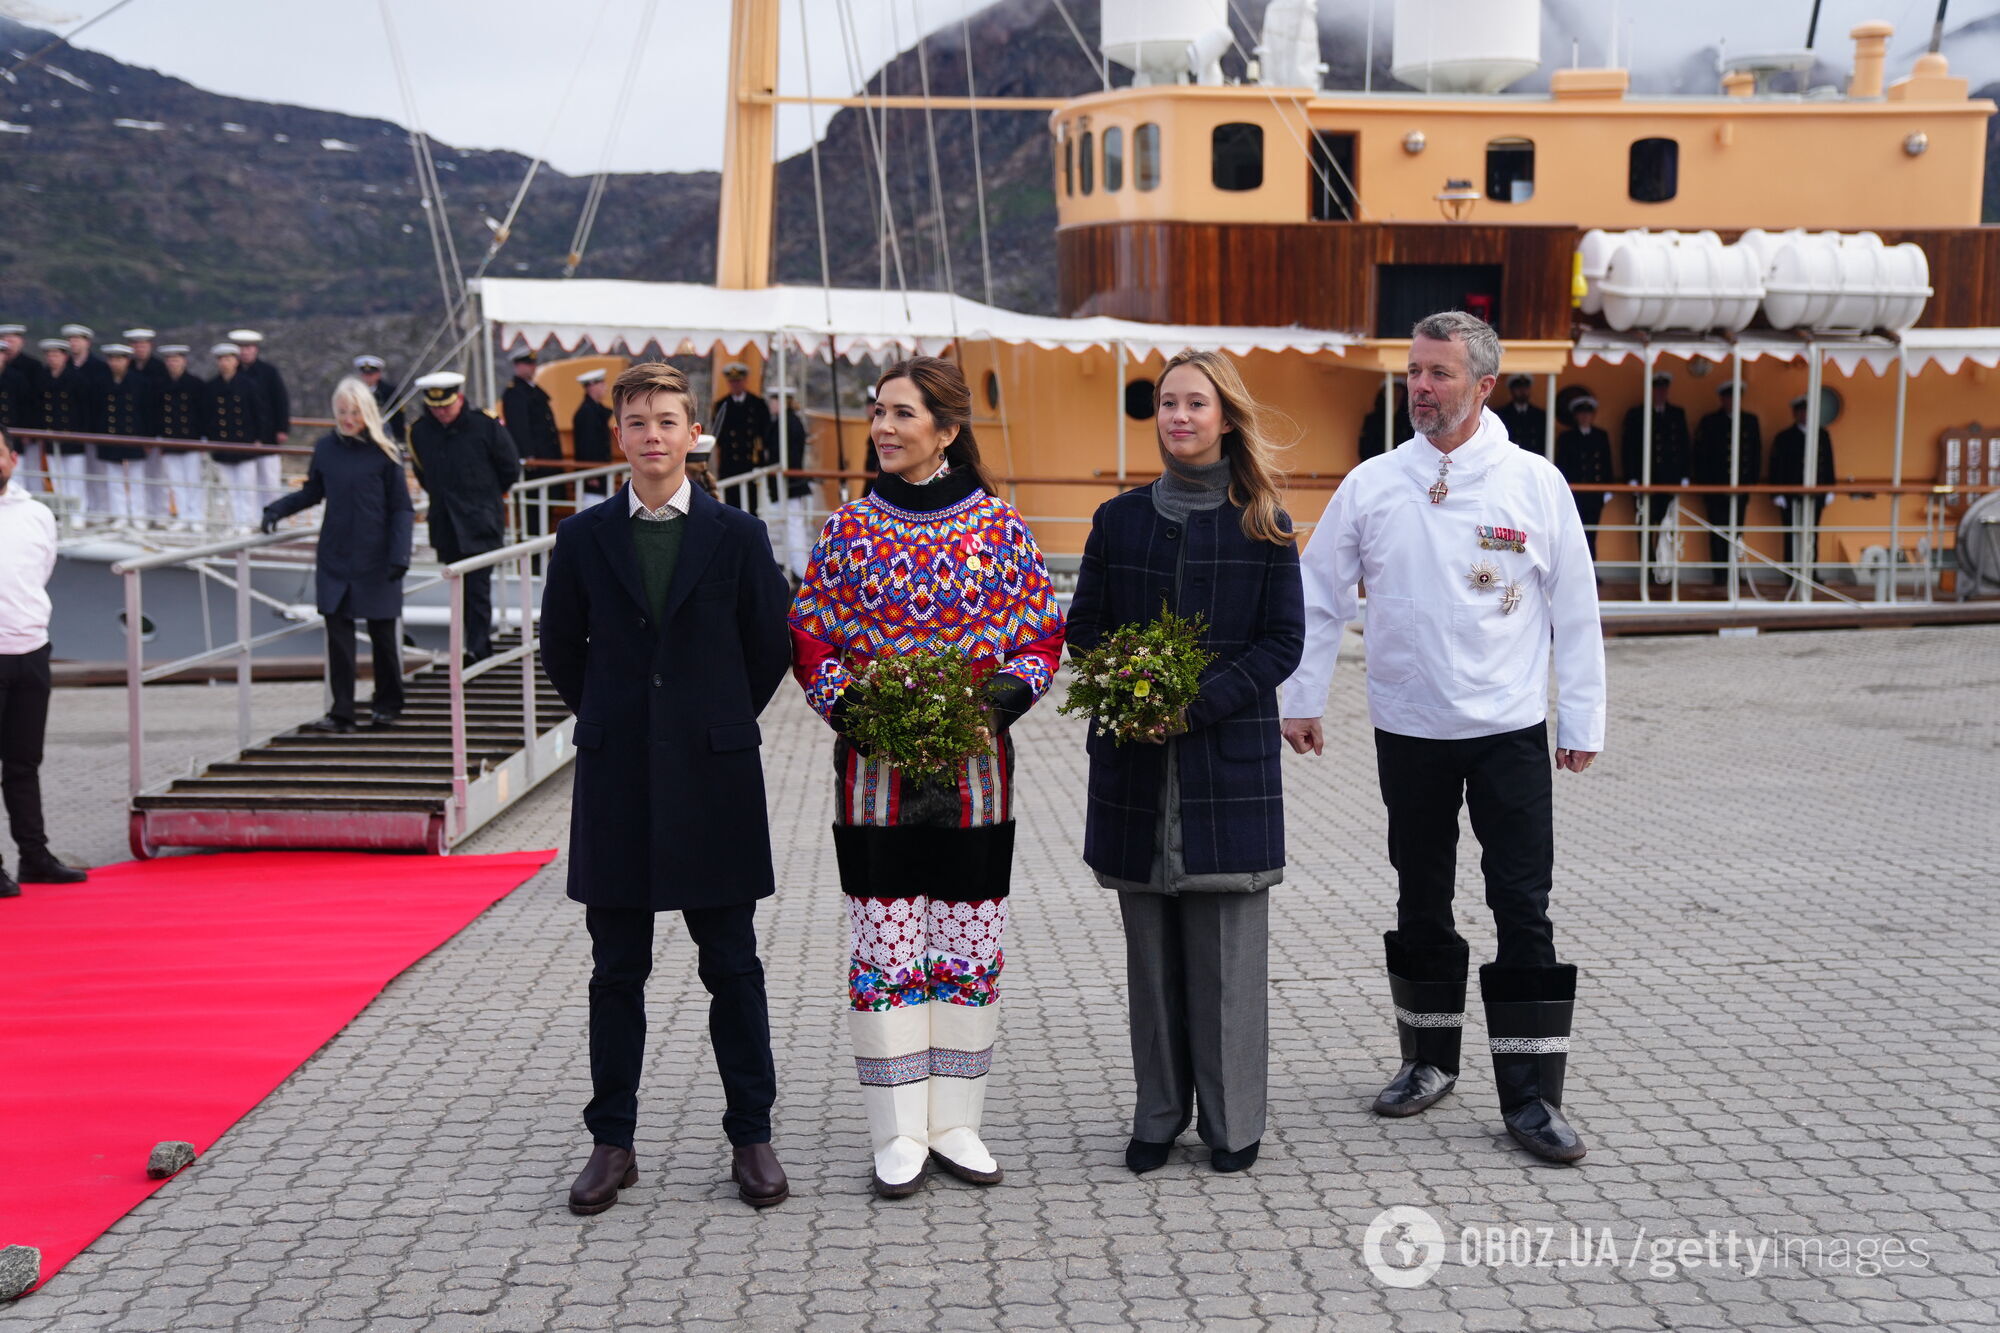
(924, 713)
(1138, 683)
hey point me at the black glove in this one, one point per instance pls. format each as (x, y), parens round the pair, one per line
(270, 523)
(1009, 697)
(396, 573)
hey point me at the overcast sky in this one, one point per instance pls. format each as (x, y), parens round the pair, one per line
(493, 73)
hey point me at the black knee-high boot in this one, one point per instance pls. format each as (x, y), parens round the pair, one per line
(1528, 1012)
(1428, 988)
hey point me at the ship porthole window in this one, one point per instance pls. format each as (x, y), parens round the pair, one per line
(1236, 156)
(1114, 160)
(1139, 400)
(1086, 164)
(1146, 157)
(992, 389)
(1510, 170)
(1655, 175)
(1069, 165)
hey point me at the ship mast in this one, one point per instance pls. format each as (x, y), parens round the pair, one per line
(749, 171)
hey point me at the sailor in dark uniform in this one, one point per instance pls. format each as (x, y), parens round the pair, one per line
(145, 357)
(79, 338)
(179, 410)
(1788, 468)
(1373, 440)
(68, 403)
(277, 411)
(590, 428)
(742, 429)
(15, 388)
(1583, 456)
(1527, 425)
(370, 369)
(465, 461)
(1670, 446)
(1711, 468)
(14, 337)
(531, 420)
(20, 389)
(235, 415)
(125, 407)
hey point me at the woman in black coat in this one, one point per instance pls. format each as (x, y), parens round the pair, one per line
(364, 549)
(1191, 832)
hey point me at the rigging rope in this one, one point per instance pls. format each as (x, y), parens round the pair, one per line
(595, 197)
(978, 170)
(852, 48)
(1096, 61)
(60, 42)
(1326, 182)
(433, 196)
(937, 184)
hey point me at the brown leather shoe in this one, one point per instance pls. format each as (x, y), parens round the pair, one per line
(760, 1181)
(608, 1171)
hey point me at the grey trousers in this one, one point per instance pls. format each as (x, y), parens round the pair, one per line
(1197, 968)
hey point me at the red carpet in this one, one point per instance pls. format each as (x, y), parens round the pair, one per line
(164, 999)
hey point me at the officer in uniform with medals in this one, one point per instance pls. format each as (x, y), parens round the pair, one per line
(1474, 561)
(742, 429)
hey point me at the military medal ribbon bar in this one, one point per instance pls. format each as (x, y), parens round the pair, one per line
(1502, 539)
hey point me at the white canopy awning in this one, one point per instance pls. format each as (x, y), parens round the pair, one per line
(687, 318)
(1948, 348)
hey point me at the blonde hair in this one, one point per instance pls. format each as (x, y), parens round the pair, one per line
(1254, 473)
(362, 399)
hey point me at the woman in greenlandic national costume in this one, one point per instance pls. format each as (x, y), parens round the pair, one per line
(1190, 831)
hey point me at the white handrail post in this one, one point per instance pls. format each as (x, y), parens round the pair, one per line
(1896, 481)
(456, 674)
(243, 644)
(135, 665)
(528, 669)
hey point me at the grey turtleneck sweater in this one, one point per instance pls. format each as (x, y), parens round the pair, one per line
(1187, 488)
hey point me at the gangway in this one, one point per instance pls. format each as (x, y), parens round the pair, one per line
(471, 740)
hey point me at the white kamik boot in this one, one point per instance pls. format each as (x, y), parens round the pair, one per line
(961, 1040)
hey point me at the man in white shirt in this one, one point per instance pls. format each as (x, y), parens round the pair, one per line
(28, 539)
(1474, 559)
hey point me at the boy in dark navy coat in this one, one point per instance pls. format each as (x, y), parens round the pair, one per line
(663, 627)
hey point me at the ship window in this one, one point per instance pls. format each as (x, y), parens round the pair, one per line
(1086, 163)
(1146, 157)
(1332, 182)
(1510, 170)
(1656, 170)
(1114, 160)
(992, 389)
(1069, 165)
(1139, 399)
(1237, 156)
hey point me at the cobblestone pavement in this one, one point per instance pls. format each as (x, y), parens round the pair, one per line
(1778, 884)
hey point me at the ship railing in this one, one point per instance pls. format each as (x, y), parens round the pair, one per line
(207, 497)
(230, 563)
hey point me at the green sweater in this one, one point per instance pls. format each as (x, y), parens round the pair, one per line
(659, 547)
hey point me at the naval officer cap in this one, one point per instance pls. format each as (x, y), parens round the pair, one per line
(6, 329)
(1520, 382)
(172, 349)
(115, 349)
(1662, 377)
(1799, 401)
(368, 362)
(138, 335)
(221, 350)
(441, 388)
(54, 344)
(525, 354)
(242, 337)
(77, 331)
(591, 376)
(735, 370)
(1583, 404)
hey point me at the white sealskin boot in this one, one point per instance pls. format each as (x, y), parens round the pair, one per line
(961, 1054)
(892, 1058)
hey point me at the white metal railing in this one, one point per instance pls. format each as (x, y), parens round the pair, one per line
(520, 556)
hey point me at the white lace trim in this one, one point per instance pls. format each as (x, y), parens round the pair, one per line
(1410, 1018)
(1529, 1045)
(888, 935)
(971, 931)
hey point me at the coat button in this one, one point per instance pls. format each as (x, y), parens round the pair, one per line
(1173, 531)
(642, 622)
(656, 682)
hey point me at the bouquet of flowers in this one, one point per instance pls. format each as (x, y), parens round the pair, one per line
(924, 713)
(1137, 684)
